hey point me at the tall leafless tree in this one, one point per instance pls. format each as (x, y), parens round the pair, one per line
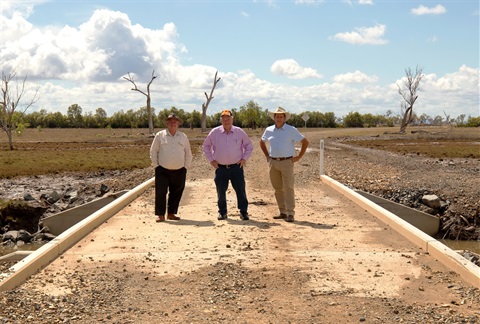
(408, 91)
(129, 78)
(12, 104)
(205, 105)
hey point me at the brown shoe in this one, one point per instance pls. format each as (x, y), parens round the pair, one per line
(172, 217)
(160, 219)
(281, 216)
(289, 219)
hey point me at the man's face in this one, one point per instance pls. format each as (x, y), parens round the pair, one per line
(279, 119)
(227, 121)
(172, 125)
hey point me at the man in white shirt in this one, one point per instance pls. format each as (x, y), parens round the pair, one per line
(171, 156)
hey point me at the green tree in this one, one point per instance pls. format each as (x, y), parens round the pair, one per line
(89, 120)
(119, 119)
(56, 120)
(143, 116)
(74, 115)
(249, 114)
(473, 121)
(353, 119)
(330, 120)
(460, 120)
(101, 118)
(370, 120)
(194, 119)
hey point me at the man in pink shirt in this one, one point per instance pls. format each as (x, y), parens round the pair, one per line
(228, 148)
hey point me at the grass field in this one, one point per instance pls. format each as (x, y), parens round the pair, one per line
(60, 150)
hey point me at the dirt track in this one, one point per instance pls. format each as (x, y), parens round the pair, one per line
(335, 264)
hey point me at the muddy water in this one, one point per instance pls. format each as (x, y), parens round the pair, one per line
(4, 250)
(473, 246)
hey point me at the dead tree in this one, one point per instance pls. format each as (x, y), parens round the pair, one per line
(129, 78)
(409, 95)
(11, 101)
(205, 105)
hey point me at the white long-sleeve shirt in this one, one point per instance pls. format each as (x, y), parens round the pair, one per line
(172, 152)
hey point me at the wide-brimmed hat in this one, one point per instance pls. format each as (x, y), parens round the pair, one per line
(173, 116)
(280, 110)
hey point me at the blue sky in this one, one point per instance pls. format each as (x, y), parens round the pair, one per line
(303, 55)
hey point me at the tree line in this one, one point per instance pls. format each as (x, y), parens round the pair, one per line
(14, 104)
(250, 115)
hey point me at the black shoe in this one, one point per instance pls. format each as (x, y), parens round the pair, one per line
(244, 216)
(281, 216)
(221, 216)
(289, 219)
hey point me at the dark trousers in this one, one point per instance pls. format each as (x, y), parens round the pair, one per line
(171, 182)
(234, 174)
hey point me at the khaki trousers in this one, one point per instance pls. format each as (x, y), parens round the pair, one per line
(283, 182)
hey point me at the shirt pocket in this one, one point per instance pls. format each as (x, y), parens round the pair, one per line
(163, 141)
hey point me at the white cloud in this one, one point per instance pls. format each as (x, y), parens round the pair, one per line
(291, 69)
(104, 48)
(363, 35)
(84, 65)
(309, 2)
(423, 10)
(355, 77)
(360, 2)
(466, 79)
(22, 8)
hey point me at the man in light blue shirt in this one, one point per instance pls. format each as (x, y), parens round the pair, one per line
(281, 156)
(228, 148)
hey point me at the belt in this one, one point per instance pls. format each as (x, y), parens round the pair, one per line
(281, 158)
(227, 166)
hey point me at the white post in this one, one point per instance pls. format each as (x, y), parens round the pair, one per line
(321, 157)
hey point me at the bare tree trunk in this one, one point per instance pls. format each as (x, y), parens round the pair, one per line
(409, 95)
(10, 140)
(205, 105)
(407, 118)
(151, 131)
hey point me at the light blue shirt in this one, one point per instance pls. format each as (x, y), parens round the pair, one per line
(282, 140)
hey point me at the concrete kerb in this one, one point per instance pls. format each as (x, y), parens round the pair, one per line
(38, 259)
(451, 259)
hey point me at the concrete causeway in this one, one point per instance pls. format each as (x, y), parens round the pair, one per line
(337, 223)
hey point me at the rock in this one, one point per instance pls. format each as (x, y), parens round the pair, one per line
(71, 196)
(53, 197)
(432, 201)
(10, 236)
(104, 189)
(24, 236)
(28, 197)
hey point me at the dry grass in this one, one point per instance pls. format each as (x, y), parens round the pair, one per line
(62, 150)
(436, 142)
(445, 148)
